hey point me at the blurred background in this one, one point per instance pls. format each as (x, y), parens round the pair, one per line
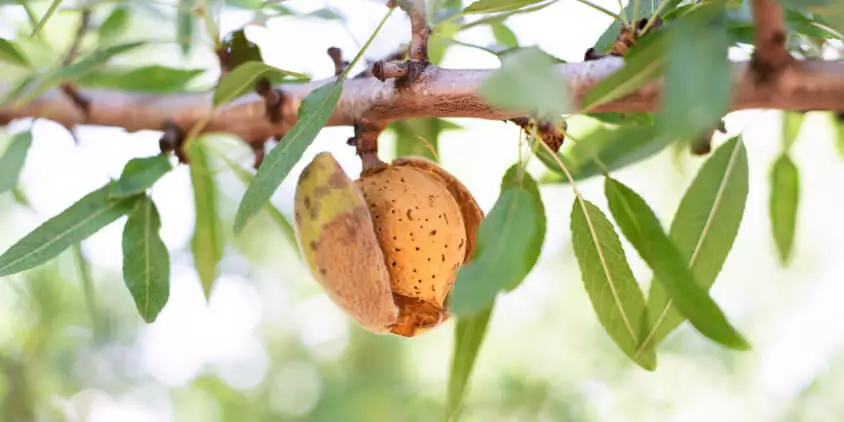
(270, 346)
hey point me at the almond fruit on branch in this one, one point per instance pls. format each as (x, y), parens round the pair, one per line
(386, 247)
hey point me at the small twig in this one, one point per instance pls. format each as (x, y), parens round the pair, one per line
(73, 50)
(770, 56)
(336, 55)
(272, 99)
(173, 139)
(384, 70)
(366, 143)
(81, 102)
(420, 31)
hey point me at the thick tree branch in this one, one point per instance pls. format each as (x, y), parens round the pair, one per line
(806, 85)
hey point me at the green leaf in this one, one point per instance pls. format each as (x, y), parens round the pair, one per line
(207, 241)
(838, 129)
(50, 11)
(12, 161)
(469, 333)
(697, 51)
(615, 295)
(785, 196)
(237, 49)
(501, 17)
(493, 6)
(185, 25)
(139, 174)
(152, 79)
(509, 240)
(114, 25)
(73, 225)
(791, 123)
(243, 78)
(528, 82)
(11, 53)
(643, 63)
(642, 228)
(503, 35)
(313, 114)
(97, 58)
(606, 147)
(645, 11)
(517, 179)
(146, 261)
(703, 230)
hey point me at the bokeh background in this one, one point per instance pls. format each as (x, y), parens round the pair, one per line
(270, 346)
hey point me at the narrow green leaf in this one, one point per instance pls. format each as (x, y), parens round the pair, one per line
(615, 295)
(508, 246)
(704, 227)
(838, 129)
(643, 63)
(185, 25)
(152, 79)
(697, 51)
(93, 60)
(791, 123)
(313, 114)
(783, 205)
(501, 17)
(207, 241)
(243, 78)
(73, 225)
(493, 6)
(469, 333)
(642, 228)
(139, 174)
(514, 178)
(50, 11)
(528, 82)
(12, 161)
(11, 53)
(504, 35)
(114, 25)
(146, 261)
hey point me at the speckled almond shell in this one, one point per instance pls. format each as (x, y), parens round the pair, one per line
(425, 222)
(338, 242)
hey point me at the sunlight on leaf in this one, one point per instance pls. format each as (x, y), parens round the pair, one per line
(642, 229)
(703, 230)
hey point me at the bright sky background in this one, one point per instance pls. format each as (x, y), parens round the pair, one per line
(793, 317)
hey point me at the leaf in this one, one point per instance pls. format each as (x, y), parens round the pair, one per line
(114, 25)
(504, 35)
(493, 6)
(642, 228)
(791, 123)
(97, 58)
(643, 63)
(514, 178)
(207, 241)
(184, 25)
(236, 49)
(313, 114)
(243, 78)
(469, 333)
(50, 11)
(501, 17)
(12, 161)
(73, 225)
(607, 147)
(697, 51)
(11, 53)
(146, 261)
(703, 230)
(838, 129)
(506, 251)
(139, 174)
(783, 205)
(528, 82)
(152, 79)
(615, 295)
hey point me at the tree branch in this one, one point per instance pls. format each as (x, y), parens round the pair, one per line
(770, 56)
(806, 85)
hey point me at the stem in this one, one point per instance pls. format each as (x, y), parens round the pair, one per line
(602, 10)
(368, 42)
(662, 5)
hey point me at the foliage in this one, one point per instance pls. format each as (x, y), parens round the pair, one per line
(689, 50)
